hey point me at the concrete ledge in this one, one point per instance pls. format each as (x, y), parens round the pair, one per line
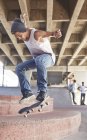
(9, 98)
(48, 126)
(9, 105)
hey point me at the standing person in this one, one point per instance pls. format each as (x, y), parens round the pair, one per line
(43, 57)
(83, 90)
(73, 90)
(70, 82)
(70, 79)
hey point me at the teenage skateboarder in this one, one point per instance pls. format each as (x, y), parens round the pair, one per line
(43, 57)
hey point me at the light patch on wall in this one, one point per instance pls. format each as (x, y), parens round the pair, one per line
(8, 78)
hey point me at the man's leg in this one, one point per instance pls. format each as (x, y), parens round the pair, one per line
(73, 96)
(81, 99)
(24, 83)
(84, 99)
(42, 62)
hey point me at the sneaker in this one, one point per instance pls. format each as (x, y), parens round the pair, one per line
(41, 96)
(74, 103)
(27, 98)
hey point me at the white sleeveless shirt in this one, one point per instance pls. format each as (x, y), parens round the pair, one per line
(37, 48)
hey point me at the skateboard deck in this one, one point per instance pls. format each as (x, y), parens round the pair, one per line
(37, 106)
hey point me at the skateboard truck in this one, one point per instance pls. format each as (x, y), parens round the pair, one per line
(29, 111)
(43, 104)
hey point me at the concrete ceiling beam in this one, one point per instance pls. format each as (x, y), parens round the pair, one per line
(83, 42)
(72, 23)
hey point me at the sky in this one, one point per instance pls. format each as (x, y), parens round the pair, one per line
(9, 78)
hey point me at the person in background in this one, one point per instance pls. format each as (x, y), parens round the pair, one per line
(70, 79)
(70, 82)
(73, 90)
(83, 90)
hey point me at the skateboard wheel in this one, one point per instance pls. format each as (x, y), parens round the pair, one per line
(25, 115)
(39, 110)
(46, 103)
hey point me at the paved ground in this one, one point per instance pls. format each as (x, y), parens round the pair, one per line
(62, 100)
(82, 134)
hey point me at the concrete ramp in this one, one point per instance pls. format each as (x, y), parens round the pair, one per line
(53, 123)
(48, 126)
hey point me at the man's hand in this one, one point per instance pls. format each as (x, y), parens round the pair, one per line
(57, 34)
(23, 19)
(41, 34)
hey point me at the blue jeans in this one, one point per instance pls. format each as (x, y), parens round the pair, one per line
(40, 62)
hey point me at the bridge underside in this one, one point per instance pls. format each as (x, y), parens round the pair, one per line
(68, 15)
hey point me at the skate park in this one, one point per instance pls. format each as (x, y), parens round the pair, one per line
(61, 119)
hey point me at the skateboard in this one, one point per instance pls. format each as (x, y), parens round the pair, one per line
(36, 106)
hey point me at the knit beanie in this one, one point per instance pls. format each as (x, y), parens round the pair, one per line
(18, 26)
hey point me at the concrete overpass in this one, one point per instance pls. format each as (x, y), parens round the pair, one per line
(68, 15)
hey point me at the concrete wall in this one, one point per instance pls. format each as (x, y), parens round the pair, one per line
(81, 76)
(54, 77)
